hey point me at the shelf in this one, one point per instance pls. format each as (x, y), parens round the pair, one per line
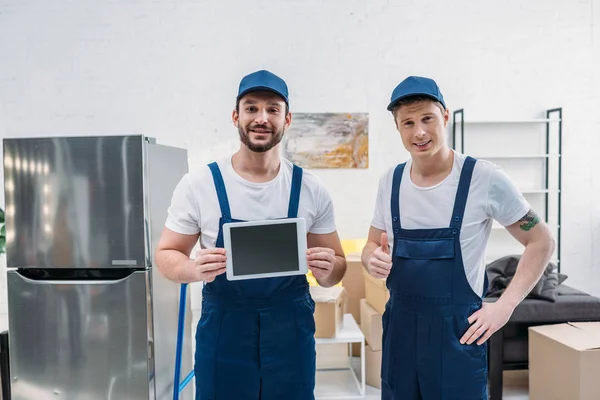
(489, 260)
(337, 384)
(483, 157)
(496, 226)
(522, 121)
(540, 161)
(538, 191)
(343, 382)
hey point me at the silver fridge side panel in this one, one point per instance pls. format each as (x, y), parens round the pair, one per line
(165, 166)
(79, 340)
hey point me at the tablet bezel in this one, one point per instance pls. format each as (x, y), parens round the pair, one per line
(301, 243)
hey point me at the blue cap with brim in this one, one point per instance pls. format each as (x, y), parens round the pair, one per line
(416, 86)
(263, 80)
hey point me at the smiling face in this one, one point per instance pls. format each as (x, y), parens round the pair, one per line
(422, 124)
(261, 118)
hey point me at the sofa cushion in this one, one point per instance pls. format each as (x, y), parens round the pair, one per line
(564, 290)
(546, 288)
(571, 305)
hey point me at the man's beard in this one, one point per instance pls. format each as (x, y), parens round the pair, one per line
(276, 137)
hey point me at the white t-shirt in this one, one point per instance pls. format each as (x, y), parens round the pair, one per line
(492, 196)
(195, 207)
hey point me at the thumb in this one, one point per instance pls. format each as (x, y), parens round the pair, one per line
(384, 243)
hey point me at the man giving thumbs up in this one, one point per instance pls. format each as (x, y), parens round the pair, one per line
(435, 324)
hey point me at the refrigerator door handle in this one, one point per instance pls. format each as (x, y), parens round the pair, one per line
(112, 279)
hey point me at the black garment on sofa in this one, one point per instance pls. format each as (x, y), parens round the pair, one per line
(501, 272)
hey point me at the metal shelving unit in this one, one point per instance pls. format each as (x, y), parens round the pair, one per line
(553, 116)
(341, 382)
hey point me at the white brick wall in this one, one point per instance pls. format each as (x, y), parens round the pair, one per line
(170, 69)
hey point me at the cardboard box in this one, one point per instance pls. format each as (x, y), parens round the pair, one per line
(371, 325)
(354, 282)
(329, 310)
(373, 367)
(564, 361)
(332, 355)
(376, 292)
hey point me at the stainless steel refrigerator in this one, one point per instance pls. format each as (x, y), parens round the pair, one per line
(90, 315)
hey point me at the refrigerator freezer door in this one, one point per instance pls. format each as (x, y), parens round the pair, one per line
(80, 340)
(75, 202)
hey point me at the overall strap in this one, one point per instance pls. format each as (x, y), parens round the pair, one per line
(395, 202)
(220, 187)
(295, 192)
(462, 193)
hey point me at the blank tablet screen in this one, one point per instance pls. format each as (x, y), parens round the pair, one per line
(264, 249)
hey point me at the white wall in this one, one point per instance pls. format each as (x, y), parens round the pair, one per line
(170, 69)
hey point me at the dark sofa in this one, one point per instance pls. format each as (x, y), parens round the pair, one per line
(508, 347)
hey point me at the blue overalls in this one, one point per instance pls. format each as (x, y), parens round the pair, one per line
(426, 315)
(255, 339)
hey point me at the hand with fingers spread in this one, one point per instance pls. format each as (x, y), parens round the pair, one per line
(209, 263)
(380, 262)
(485, 321)
(321, 261)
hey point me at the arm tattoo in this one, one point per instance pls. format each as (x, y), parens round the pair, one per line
(529, 221)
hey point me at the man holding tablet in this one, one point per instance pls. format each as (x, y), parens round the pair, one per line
(428, 238)
(255, 339)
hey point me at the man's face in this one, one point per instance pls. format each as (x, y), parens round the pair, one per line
(422, 128)
(261, 120)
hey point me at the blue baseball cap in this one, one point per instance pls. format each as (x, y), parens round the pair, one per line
(416, 86)
(263, 80)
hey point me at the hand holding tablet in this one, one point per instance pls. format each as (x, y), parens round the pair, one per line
(321, 261)
(210, 263)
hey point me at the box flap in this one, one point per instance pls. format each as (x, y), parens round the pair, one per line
(592, 329)
(580, 336)
(326, 295)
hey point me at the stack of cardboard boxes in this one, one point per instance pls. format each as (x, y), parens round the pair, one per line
(330, 305)
(362, 296)
(366, 301)
(371, 311)
(354, 284)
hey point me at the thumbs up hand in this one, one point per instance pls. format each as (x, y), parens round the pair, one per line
(385, 246)
(380, 262)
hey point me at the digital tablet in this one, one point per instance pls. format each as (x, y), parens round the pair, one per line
(263, 249)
